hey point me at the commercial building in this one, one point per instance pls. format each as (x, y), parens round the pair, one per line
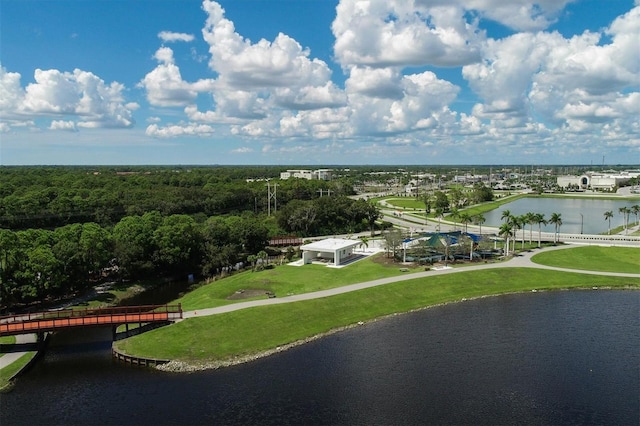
(320, 174)
(597, 181)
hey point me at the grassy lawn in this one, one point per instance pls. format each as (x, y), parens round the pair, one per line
(249, 331)
(593, 258)
(285, 280)
(405, 203)
(7, 340)
(11, 369)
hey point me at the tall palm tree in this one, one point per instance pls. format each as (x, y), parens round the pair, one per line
(506, 214)
(519, 223)
(530, 219)
(439, 214)
(556, 219)
(506, 231)
(607, 216)
(635, 209)
(479, 219)
(455, 216)
(465, 218)
(540, 220)
(625, 215)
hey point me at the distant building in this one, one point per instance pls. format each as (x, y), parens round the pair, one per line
(597, 181)
(320, 174)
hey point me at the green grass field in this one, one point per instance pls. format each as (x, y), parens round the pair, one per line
(284, 280)
(7, 372)
(249, 331)
(7, 340)
(593, 258)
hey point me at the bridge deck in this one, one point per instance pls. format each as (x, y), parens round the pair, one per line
(56, 320)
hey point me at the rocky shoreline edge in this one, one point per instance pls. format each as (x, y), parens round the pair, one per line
(192, 367)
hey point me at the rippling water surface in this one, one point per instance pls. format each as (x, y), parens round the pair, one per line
(543, 358)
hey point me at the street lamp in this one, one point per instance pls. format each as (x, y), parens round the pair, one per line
(581, 222)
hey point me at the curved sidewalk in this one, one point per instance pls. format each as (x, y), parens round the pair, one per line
(521, 261)
(11, 357)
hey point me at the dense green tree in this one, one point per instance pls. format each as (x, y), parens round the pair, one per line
(134, 245)
(96, 245)
(481, 193)
(441, 201)
(177, 245)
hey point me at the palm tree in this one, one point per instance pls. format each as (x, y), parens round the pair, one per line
(439, 213)
(540, 220)
(479, 219)
(465, 218)
(506, 214)
(556, 219)
(625, 214)
(364, 242)
(455, 216)
(518, 223)
(530, 219)
(506, 231)
(635, 209)
(607, 216)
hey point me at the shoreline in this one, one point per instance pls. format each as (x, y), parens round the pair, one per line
(175, 366)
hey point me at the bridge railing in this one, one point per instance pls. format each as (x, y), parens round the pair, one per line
(172, 311)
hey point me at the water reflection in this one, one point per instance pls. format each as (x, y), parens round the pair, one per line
(578, 214)
(543, 358)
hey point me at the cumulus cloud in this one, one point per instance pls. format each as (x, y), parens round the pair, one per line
(164, 84)
(170, 37)
(521, 15)
(279, 72)
(189, 129)
(575, 84)
(63, 125)
(532, 88)
(383, 101)
(54, 93)
(382, 33)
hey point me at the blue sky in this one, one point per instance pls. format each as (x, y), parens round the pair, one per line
(319, 82)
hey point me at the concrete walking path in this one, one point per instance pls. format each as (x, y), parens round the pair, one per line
(11, 357)
(521, 261)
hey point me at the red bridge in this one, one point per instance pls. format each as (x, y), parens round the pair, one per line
(56, 320)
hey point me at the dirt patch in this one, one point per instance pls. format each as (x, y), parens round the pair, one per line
(382, 259)
(248, 294)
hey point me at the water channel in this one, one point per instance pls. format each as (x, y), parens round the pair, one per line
(579, 214)
(562, 358)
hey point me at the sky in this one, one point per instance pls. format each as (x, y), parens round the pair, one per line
(319, 82)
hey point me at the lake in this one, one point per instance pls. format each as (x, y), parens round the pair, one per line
(562, 358)
(592, 220)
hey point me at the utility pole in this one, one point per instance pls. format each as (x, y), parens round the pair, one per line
(271, 195)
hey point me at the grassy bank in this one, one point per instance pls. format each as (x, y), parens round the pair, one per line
(7, 372)
(286, 280)
(241, 333)
(593, 258)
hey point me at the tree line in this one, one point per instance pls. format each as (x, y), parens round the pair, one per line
(61, 228)
(50, 197)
